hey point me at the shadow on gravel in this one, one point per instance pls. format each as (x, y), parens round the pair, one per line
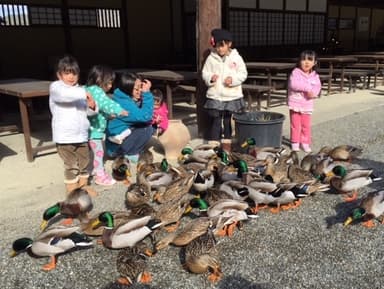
(115, 285)
(238, 282)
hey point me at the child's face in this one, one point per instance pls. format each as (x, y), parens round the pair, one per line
(107, 87)
(307, 64)
(136, 92)
(156, 103)
(223, 48)
(68, 78)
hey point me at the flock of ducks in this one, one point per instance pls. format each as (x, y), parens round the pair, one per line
(211, 191)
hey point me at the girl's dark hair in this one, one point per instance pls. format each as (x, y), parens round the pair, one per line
(158, 95)
(68, 64)
(100, 75)
(126, 82)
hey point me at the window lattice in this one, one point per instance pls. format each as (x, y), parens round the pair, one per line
(82, 17)
(45, 15)
(275, 28)
(318, 28)
(258, 28)
(291, 29)
(14, 15)
(108, 18)
(238, 25)
(306, 32)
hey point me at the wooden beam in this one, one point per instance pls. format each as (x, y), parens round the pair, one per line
(208, 17)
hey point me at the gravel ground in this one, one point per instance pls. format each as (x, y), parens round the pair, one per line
(303, 248)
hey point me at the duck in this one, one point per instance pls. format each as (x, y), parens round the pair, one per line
(296, 174)
(203, 180)
(343, 152)
(121, 169)
(171, 212)
(126, 234)
(193, 229)
(276, 169)
(347, 182)
(261, 153)
(202, 154)
(371, 207)
(201, 256)
(131, 264)
(77, 204)
(136, 195)
(53, 241)
(175, 190)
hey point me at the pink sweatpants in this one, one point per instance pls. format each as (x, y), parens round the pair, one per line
(300, 127)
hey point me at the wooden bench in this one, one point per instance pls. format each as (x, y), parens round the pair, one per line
(371, 67)
(328, 79)
(258, 90)
(282, 79)
(188, 89)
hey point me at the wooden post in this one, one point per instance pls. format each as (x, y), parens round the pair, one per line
(208, 17)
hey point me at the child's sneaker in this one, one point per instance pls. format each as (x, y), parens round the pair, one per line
(295, 147)
(306, 148)
(104, 180)
(115, 140)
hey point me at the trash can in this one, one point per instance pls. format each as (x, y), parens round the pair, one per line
(264, 126)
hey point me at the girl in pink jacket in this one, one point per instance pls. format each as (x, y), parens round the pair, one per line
(304, 85)
(160, 113)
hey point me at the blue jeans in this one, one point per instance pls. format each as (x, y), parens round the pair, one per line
(136, 141)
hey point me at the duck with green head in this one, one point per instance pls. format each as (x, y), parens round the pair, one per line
(260, 153)
(121, 169)
(202, 153)
(50, 243)
(371, 207)
(348, 182)
(126, 234)
(77, 205)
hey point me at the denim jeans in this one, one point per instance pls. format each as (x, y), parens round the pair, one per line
(136, 141)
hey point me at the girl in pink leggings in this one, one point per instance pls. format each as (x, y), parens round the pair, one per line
(304, 85)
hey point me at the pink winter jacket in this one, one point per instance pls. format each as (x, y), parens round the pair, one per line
(300, 83)
(161, 112)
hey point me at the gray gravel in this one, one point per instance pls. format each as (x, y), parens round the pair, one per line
(303, 248)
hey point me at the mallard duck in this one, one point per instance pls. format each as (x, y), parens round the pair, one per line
(343, 152)
(276, 169)
(371, 207)
(190, 231)
(121, 169)
(297, 175)
(261, 153)
(352, 181)
(137, 194)
(131, 263)
(214, 194)
(50, 243)
(175, 190)
(203, 180)
(77, 205)
(171, 212)
(126, 234)
(201, 256)
(236, 189)
(202, 153)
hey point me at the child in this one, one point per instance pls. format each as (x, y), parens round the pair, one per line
(134, 95)
(160, 113)
(69, 104)
(99, 82)
(304, 85)
(223, 73)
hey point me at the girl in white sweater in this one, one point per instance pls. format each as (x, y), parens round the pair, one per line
(224, 71)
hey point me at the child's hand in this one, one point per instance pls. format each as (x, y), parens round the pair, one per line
(228, 81)
(310, 94)
(112, 116)
(124, 113)
(214, 78)
(145, 85)
(90, 101)
(158, 119)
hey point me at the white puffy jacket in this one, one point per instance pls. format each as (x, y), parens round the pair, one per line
(69, 110)
(232, 65)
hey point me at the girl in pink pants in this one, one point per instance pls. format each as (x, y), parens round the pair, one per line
(304, 85)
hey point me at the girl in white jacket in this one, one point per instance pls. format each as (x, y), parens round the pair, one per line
(70, 104)
(224, 71)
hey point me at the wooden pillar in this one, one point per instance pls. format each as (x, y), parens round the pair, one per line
(67, 27)
(124, 27)
(208, 17)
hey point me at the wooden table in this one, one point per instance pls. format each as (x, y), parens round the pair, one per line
(170, 79)
(25, 90)
(377, 60)
(342, 61)
(271, 67)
